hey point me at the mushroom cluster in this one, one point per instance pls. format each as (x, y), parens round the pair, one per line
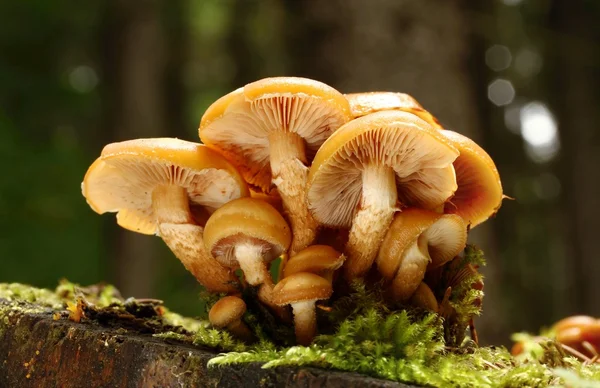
(341, 188)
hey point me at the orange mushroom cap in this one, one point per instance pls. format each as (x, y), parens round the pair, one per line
(479, 194)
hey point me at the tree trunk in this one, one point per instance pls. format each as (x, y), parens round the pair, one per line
(574, 68)
(38, 349)
(134, 70)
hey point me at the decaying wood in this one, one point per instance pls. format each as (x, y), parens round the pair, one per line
(40, 348)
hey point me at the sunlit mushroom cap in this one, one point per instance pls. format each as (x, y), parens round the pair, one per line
(419, 155)
(575, 321)
(238, 125)
(246, 220)
(227, 310)
(301, 287)
(479, 193)
(441, 237)
(123, 178)
(314, 259)
(362, 104)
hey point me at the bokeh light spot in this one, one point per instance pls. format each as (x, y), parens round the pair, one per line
(528, 62)
(498, 57)
(501, 92)
(540, 132)
(83, 79)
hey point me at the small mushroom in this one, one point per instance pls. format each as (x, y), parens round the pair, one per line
(270, 129)
(321, 260)
(162, 186)
(369, 165)
(227, 314)
(417, 240)
(301, 290)
(424, 298)
(362, 104)
(248, 233)
(479, 194)
(580, 332)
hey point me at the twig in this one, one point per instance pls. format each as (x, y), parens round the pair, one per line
(575, 353)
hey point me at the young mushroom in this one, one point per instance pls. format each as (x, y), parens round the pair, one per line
(417, 240)
(479, 194)
(249, 233)
(362, 104)
(580, 332)
(270, 129)
(227, 314)
(321, 260)
(301, 290)
(162, 186)
(369, 165)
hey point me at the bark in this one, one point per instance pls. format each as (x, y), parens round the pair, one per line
(39, 351)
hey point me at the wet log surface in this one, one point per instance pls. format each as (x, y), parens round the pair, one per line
(42, 348)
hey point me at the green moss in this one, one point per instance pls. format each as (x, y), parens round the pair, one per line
(23, 292)
(360, 333)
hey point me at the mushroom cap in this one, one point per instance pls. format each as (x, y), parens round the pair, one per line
(123, 178)
(443, 236)
(419, 155)
(301, 287)
(238, 124)
(362, 104)
(246, 221)
(575, 321)
(227, 310)
(479, 194)
(314, 259)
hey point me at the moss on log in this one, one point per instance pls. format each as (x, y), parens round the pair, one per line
(40, 347)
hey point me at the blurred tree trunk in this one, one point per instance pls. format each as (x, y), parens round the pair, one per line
(574, 69)
(424, 48)
(134, 74)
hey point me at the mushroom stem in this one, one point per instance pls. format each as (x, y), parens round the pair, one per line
(250, 258)
(412, 269)
(184, 238)
(372, 220)
(305, 321)
(290, 174)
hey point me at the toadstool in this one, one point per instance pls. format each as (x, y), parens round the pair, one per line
(321, 260)
(301, 290)
(270, 129)
(362, 104)
(156, 186)
(479, 193)
(418, 239)
(227, 313)
(369, 165)
(249, 233)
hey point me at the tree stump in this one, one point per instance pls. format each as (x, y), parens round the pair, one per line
(40, 347)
